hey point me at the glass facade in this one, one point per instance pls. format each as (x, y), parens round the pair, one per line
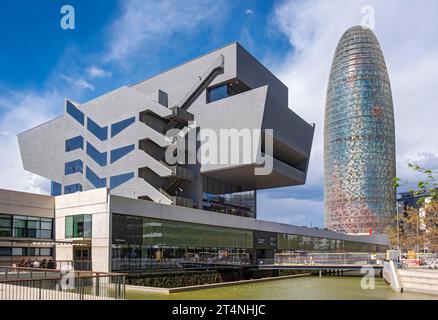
(118, 127)
(25, 252)
(25, 227)
(222, 197)
(359, 138)
(78, 226)
(145, 243)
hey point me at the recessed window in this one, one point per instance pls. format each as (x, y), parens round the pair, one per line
(78, 226)
(74, 144)
(55, 189)
(121, 152)
(73, 188)
(94, 179)
(100, 132)
(99, 157)
(74, 167)
(75, 113)
(118, 127)
(120, 179)
(226, 90)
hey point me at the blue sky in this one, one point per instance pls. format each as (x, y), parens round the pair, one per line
(119, 42)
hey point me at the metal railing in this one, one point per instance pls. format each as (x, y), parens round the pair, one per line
(72, 286)
(79, 265)
(202, 82)
(328, 259)
(17, 273)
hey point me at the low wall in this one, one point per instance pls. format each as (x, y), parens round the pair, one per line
(209, 286)
(174, 279)
(391, 276)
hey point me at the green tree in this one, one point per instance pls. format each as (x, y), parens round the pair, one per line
(417, 227)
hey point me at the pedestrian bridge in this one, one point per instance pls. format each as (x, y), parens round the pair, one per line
(317, 267)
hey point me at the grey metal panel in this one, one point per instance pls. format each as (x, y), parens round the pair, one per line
(255, 75)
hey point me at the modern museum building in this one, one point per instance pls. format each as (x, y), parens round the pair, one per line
(126, 198)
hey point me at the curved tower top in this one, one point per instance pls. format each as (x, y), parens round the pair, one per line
(359, 137)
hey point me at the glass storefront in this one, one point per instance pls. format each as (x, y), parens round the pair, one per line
(140, 244)
(146, 243)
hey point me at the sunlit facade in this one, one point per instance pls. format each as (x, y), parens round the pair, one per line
(359, 139)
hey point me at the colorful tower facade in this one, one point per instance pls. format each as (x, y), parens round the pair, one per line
(359, 137)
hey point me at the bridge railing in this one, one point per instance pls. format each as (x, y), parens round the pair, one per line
(329, 258)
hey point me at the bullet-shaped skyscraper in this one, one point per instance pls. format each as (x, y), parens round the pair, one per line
(359, 138)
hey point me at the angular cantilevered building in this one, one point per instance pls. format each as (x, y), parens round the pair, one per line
(119, 140)
(359, 138)
(119, 204)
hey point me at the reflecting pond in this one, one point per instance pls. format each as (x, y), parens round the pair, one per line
(305, 288)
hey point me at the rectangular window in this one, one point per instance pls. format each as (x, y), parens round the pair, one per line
(74, 167)
(78, 226)
(56, 189)
(74, 144)
(217, 93)
(32, 227)
(100, 132)
(18, 252)
(5, 252)
(75, 113)
(5, 221)
(95, 180)
(72, 188)
(47, 252)
(5, 232)
(99, 157)
(226, 90)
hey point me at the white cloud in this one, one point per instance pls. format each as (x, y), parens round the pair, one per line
(84, 84)
(96, 72)
(22, 111)
(81, 83)
(406, 31)
(146, 25)
(291, 211)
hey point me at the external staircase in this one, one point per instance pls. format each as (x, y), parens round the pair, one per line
(157, 120)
